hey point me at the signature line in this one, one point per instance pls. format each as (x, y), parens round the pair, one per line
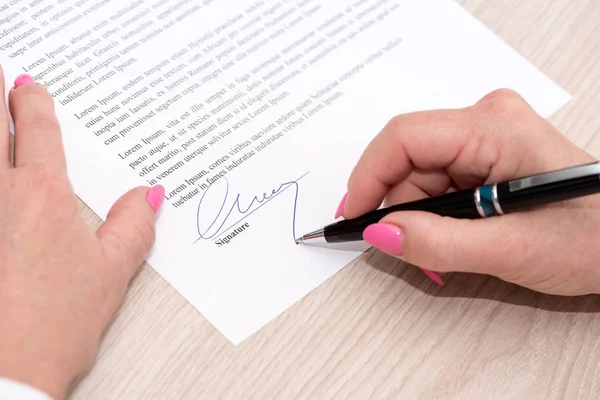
(253, 211)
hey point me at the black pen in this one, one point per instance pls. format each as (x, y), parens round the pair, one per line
(481, 202)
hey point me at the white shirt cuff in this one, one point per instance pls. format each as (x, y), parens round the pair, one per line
(11, 390)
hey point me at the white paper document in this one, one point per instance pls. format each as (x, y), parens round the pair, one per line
(252, 115)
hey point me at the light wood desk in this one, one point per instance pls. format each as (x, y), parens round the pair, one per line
(379, 329)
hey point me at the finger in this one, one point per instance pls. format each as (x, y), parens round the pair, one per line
(129, 230)
(426, 140)
(503, 247)
(38, 138)
(450, 245)
(466, 142)
(4, 125)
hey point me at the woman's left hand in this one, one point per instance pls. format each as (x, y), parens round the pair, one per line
(60, 281)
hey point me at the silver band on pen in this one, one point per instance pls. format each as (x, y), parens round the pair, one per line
(495, 199)
(478, 203)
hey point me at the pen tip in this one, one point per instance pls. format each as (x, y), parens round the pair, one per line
(300, 239)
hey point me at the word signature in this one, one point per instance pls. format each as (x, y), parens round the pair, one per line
(217, 217)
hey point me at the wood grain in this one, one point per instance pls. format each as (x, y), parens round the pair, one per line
(379, 329)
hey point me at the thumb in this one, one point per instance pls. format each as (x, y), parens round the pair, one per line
(129, 230)
(440, 244)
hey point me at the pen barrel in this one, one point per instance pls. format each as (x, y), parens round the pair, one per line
(459, 204)
(485, 201)
(520, 199)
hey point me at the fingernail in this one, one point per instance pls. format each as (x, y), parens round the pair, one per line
(434, 276)
(24, 79)
(340, 209)
(385, 237)
(155, 197)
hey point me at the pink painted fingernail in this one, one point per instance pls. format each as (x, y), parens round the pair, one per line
(385, 237)
(24, 79)
(340, 209)
(155, 197)
(434, 276)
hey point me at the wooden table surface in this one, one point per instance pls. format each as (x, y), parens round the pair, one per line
(379, 329)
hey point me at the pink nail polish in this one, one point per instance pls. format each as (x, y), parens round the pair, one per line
(434, 276)
(385, 237)
(155, 197)
(24, 79)
(340, 209)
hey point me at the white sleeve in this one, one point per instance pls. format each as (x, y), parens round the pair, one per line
(11, 390)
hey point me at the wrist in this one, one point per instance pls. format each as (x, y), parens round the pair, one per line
(12, 389)
(39, 374)
(34, 356)
(46, 381)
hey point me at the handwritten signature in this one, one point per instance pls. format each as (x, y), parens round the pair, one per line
(217, 219)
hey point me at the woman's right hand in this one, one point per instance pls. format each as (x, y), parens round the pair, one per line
(553, 249)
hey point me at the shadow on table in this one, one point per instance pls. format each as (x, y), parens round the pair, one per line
(475, 286)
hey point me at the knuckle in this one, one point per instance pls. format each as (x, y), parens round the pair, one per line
(502, 92)
(45, 181)
(145, 231)
(41, 193)
(402, 123)
(118, 257)
(40, 184)
(115, 268)
(38, 122)
(37, 94)
(395, 123)
(51, 190)
(34, 108)
(129, 250)
(506, 105)
(393, 130)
